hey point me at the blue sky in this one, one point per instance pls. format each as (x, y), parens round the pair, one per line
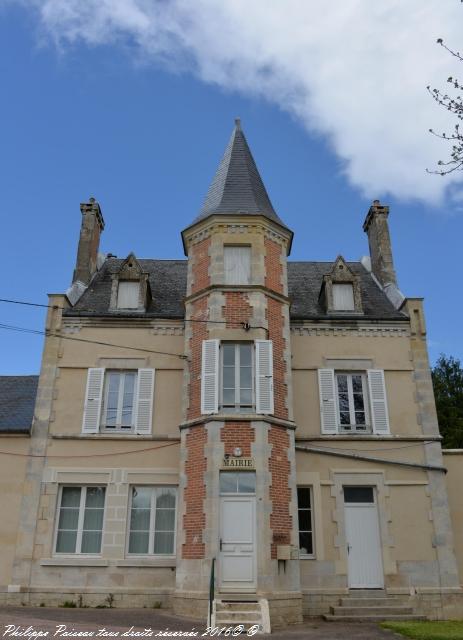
(144, 137)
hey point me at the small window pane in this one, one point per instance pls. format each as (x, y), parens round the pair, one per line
(246, 482)
(305, 543)
(91, 542)
(95, 497)
(93, 519)
(70, 497)
(303, 497)
(68, 518)
(66, 542)
(343, 297)
(166, 498)
(342, 383)
(357, 383)
(358, 402)
(164, 542)
(358, 494)
(228, 354)
(228, 482)
(229, 377)
(138, 542)
(140, 519)
(141, 497)
(245, 355)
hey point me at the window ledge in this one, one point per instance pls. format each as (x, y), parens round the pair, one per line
(306, 557)
(147, 562)
(74, 562)
(112, 436)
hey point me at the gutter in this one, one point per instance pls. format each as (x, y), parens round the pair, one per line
(357, 456)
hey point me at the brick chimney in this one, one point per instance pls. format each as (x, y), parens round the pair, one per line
(89, 241)
(377, 229)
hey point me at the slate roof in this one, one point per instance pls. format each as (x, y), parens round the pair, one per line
(237, 186)
(168, 286)
(17, 402)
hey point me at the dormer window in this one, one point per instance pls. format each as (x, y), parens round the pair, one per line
(343, 297)
(237, 265)
(130, 288)
(340, 292)
(128, 295)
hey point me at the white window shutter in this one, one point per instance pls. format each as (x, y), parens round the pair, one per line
(237, 265)
(127, 295)
(328, 411)
(264, 376)
(93, 400)
(144, 401)
(210, 377)
(378, 401)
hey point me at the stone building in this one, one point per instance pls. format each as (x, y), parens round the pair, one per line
(235, 413)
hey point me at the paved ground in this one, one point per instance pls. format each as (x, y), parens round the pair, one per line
(75, 621)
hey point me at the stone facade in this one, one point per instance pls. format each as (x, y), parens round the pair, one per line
(287, 444)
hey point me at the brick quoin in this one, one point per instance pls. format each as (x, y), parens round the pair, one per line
(273, 266)
(280, 493)
(237, 434)
(194, 519)
(275, 331)
(201, 260)
(237, 309)
(199, 333)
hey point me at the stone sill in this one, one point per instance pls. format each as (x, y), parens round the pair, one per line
(147, 562)
(74, 562)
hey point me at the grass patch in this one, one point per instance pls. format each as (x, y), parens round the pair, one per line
(447, 630)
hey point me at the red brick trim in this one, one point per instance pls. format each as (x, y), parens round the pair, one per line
(194, 518)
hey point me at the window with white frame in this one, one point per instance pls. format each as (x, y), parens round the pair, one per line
(352, 396)
(118, 402)
(237, 389)
(128, 294)
(343, 297)
(305, 518)
(237, 265)
(80, 520)
(152, 520)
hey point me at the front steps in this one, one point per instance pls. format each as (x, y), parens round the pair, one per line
(371, 606)
(233, 611)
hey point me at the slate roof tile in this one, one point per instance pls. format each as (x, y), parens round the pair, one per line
(17, 402)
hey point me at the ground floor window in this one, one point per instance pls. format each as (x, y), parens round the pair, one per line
(80, 520)
(152, 520)
(305, 517)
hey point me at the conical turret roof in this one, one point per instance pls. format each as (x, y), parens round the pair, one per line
(237, 187)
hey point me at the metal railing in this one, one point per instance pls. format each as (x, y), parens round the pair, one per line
(211, 592)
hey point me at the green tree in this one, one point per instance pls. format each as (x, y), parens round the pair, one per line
(447, 378)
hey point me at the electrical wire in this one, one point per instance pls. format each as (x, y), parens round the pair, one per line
(87, 455)
(407, 446)
(53, 334)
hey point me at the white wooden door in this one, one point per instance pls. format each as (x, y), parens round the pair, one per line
(237, 568)
(365, 567)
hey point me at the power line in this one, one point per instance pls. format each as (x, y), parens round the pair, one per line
(86, 455)
(246, 326)
(53, 334)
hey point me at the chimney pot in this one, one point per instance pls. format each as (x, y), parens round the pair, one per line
(89, 241)
(379, 240)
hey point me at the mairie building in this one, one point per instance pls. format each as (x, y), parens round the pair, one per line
(233, 436)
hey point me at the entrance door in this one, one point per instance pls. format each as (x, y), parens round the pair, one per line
(365, 567)
(237, 558)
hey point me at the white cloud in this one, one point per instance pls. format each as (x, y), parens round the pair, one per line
(355, 71)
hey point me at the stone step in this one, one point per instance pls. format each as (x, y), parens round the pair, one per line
(371, 602)
(237, 616)
(371, 611)
(238, 606)
(368, 593)
(378, 618)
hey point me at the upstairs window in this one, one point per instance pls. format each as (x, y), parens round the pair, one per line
(352, 392)
(128, 294)
(119, 396)
(237, 377)
(343, 297)
(237, 265)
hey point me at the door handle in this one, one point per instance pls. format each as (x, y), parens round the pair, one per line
(348, 548)
(220, 544)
